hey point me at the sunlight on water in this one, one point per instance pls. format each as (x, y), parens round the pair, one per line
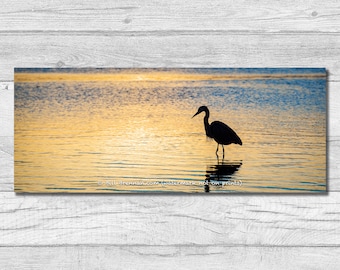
(139, 136)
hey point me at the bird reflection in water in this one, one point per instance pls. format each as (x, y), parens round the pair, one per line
(220, 173)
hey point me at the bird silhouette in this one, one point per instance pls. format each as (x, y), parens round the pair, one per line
(220, 132)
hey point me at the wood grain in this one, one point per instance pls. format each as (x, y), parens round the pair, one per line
(163, 232)
(249, 16)
(169, 50)
(253, 220)
(160, 257)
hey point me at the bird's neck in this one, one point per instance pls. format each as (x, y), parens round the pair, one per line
(206, 124)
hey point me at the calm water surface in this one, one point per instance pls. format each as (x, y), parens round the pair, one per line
(138, 136)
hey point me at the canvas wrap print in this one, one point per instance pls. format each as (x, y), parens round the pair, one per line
(170, 130)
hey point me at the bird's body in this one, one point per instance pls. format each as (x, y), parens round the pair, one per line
(223, 134)
(220, 132)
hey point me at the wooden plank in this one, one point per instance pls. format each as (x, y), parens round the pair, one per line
(159, 257)
(273, 220)
(6, 112)
(187, 50)
(333, 99)
(6, 136)
(265, 16)
(240, 232)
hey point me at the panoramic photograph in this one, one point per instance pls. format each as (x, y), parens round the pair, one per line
(185, 130)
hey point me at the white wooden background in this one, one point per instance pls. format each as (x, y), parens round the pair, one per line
(169, 232)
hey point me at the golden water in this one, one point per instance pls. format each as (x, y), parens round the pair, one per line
(128, 136)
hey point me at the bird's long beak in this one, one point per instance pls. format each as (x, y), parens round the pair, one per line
(195, 115)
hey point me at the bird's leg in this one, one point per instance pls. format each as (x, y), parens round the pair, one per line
(217, 150)
(223, 152)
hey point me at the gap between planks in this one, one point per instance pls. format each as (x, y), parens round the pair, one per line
(163, 33)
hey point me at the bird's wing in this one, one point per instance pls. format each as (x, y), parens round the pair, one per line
(224, 134)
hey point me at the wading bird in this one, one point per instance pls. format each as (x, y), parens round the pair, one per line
(219, 131)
